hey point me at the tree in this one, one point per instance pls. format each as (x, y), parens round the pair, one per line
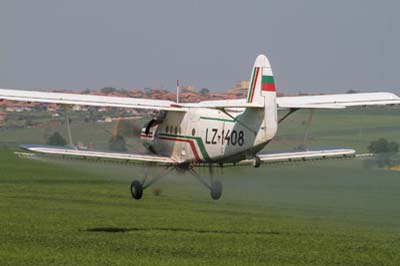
(108, 90)
(117, 143)
(383, 146)
(56, 140)
(204, 92)
(384, 151)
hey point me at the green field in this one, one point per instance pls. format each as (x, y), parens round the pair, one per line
(318, 213)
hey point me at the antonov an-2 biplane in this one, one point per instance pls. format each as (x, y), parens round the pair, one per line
(182, 136)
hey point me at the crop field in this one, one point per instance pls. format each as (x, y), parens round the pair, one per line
(319, 213)
(330, 213)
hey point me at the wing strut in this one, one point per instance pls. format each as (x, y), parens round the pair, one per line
(238, 120)
(71, 143)
(308, 126)
(291, 111)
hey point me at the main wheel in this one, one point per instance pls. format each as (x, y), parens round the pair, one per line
(136, 189)
(216, 190)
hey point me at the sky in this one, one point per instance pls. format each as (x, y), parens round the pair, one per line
(313, 46)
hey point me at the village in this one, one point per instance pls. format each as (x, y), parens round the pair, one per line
(105, 115)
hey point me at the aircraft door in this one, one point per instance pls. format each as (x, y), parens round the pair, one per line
(182, 147)
(191, 122)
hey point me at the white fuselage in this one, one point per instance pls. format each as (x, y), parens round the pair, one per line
(204, 135)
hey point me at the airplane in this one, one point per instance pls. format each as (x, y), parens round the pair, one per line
(183, 136)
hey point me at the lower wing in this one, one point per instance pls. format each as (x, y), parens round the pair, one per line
(299, 156)
(128, 158)
(98, 156)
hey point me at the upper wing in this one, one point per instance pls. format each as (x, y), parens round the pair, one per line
(109, 101)
(98, 155)
(330, 101)
(335, 101)
(293, 156)
(91, 100)
(222, 104)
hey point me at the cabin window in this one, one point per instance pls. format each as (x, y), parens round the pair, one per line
(176, 130)
(193, 132)
(167, 129)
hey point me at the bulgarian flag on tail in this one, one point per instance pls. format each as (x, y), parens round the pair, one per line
(267, 80)
(262, 81)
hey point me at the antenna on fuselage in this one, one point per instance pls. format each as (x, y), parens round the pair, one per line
(177, 91)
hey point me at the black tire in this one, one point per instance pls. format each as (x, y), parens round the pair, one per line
(136, 189)
(216, 190)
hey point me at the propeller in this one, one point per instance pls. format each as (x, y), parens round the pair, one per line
(129, 129)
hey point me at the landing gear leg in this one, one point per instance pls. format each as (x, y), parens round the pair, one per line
(137, 187)
(215, 187)
(256, 162)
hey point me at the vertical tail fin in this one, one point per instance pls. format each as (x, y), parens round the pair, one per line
(261, 82)
(262, 92)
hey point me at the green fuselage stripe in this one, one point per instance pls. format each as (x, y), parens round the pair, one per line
(197, 139)
(219, 119)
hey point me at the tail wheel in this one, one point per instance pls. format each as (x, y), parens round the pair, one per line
(136, 189)
(216, 190)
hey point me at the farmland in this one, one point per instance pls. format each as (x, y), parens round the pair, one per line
(320, 213)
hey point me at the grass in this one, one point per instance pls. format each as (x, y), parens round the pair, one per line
(320, 213)
(334, 213)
